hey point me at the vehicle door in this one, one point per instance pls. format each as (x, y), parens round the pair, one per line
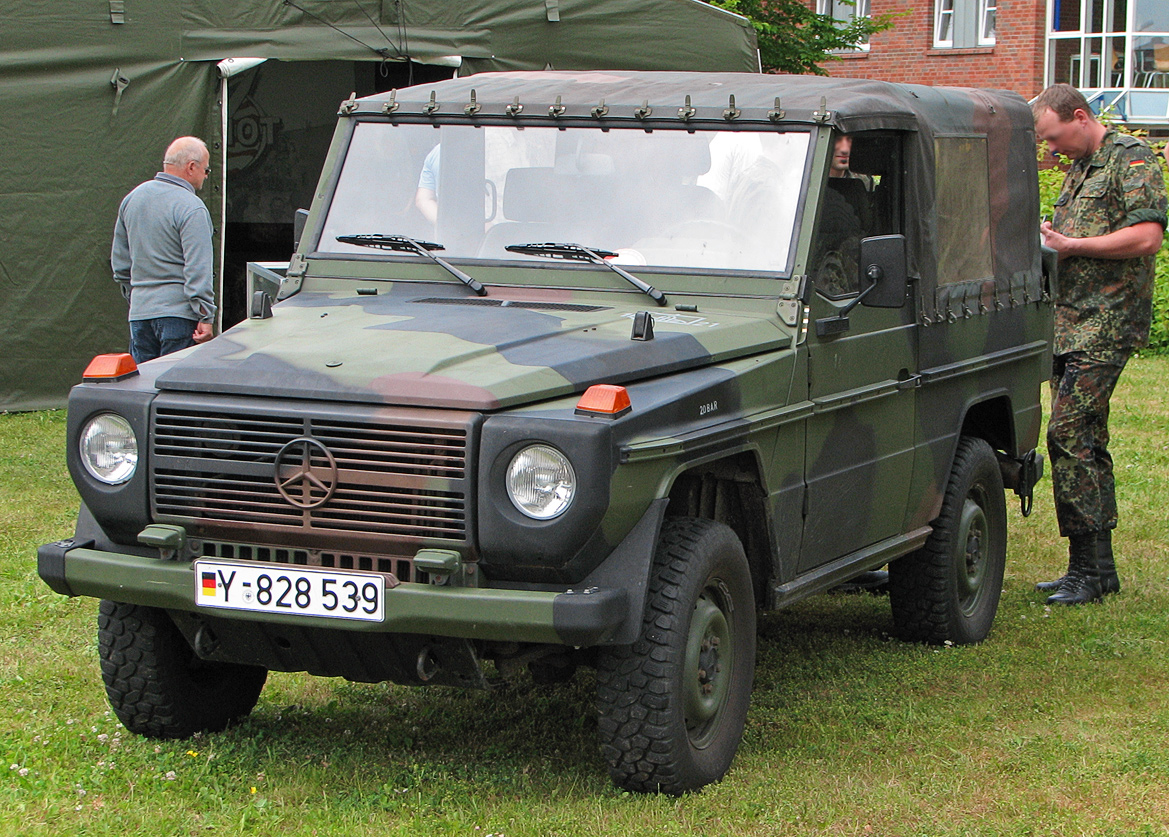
(862, 373)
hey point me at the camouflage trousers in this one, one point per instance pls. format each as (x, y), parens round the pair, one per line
(1077, 440)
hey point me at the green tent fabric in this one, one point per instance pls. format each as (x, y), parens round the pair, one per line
(93, 90)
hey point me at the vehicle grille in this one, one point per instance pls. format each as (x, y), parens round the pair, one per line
(401, 568)
(379, 475)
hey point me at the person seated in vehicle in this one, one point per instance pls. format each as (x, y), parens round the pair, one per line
(853, 187)
(845, 218)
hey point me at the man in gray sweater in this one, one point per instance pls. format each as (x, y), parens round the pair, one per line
(162, 255)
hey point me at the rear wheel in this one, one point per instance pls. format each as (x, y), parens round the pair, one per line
(949, 589)
(672, 706)
(157, 685)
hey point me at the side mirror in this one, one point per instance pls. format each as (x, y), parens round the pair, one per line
(883, 279)
(299, 219)
(883, 272)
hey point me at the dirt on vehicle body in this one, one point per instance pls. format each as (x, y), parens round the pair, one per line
(648, 370)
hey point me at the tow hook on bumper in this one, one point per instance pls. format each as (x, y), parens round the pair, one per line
(1021, 475)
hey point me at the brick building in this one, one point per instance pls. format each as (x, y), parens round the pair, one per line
(1116, 51)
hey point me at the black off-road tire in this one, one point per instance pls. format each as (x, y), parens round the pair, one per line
(948, 591)
(672, 706)
(156, 684)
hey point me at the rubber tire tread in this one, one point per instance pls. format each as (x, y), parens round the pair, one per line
(923, 591)
(641, 725)
(157, 686)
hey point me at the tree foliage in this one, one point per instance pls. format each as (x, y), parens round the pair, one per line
(795, 39)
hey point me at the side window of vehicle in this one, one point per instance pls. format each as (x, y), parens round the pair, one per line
(861, 198)
(965, 248)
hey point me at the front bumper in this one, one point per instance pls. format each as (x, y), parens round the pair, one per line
(576, 618)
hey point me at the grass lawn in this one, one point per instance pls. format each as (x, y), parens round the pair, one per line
(1057, 725)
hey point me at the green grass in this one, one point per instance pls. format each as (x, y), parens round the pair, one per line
(1057, 725)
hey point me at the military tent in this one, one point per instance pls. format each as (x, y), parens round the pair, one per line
(93, 90)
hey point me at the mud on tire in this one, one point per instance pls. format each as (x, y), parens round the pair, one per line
(671, 707)
(156, 684)
(949, 589)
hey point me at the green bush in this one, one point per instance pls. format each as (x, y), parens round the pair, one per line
(1050, 181)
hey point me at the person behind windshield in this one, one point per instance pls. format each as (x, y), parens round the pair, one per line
(840, 229)
(841, 155)
(841, 165)
(426, 198)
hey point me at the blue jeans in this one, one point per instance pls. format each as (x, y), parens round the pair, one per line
(160, 336)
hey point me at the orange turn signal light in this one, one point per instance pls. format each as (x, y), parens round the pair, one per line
(114, 367)
(604, 400)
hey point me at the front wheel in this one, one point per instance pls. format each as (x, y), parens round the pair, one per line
(948, 591)
(157, 685)
(672, 706)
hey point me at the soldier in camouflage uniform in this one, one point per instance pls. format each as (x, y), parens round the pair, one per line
(1109, 222)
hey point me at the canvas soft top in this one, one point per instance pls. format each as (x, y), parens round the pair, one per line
(848, 104)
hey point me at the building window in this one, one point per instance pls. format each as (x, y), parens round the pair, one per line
(964, 23)
(1109, 44)
(844, 11)
(1116, 51)
(944, 23)
(986, 15)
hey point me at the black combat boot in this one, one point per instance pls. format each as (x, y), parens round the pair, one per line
(1051, 586)
(1082, 583)
(1109, 580)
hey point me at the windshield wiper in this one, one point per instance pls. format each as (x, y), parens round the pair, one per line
(579, 253)
(405, 244)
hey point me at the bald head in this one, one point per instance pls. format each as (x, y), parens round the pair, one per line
(188, 158)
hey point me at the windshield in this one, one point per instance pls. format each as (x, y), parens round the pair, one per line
(716, 200)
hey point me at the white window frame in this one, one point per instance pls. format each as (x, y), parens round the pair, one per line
(943, 13)
(987, 11)
(861, 9)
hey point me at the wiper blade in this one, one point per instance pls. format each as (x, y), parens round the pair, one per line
(405, 244)
(580, 253)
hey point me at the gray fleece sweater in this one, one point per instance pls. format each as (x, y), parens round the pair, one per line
(162, 254)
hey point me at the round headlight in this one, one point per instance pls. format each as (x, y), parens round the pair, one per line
(109, 449)
(541, 482)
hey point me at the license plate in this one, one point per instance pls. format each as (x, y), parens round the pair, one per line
(277, 589)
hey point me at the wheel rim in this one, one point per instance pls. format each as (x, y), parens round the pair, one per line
(974, 551)
(709, 664)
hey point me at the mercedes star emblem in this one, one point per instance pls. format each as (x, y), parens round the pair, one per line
(301, 477)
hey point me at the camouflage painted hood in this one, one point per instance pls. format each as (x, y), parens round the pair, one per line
(434, 347)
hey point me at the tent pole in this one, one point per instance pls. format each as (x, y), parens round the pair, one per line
(223, 126)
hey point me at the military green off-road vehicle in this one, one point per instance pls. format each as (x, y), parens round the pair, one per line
(583, 369)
